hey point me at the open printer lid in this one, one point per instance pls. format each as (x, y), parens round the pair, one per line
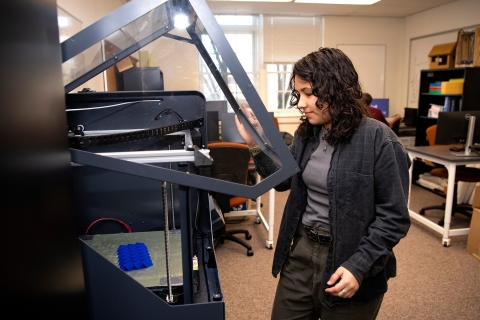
(198, 59)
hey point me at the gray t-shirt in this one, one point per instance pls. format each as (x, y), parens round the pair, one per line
(315, 177)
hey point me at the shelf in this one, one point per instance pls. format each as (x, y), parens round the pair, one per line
(445, 69)
(467, 101)
(442, 94)
(439, 193)
(428, 118)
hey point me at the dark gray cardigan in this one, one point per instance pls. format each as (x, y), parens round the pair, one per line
(368, 183)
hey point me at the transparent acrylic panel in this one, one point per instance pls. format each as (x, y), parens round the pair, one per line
(131, 35)
(224, 74)
(68, 24)
(188, 59)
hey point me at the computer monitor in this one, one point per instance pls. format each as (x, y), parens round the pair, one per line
(143, 79)
(229, 128)
(217, 105)
(214, 111)
(453, 128)
(381, 104)
(213, 126)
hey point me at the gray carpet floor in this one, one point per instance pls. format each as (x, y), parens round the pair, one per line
(433, 282)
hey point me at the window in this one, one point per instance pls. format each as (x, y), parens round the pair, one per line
(272, 46)
(277, 82)
(240, 33)
(286, 40)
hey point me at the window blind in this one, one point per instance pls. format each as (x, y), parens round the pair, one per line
(287, 39)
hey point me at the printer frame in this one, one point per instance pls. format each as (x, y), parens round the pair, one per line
(102, 173)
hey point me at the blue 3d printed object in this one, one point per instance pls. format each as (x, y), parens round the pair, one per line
(133, 256)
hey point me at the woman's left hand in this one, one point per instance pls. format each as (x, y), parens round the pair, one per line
(346, 287)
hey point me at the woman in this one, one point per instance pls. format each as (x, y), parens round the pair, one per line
(347, 207)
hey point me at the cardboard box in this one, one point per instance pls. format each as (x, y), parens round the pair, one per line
(144, 59)
(473, 242)
(452, 87)
(464, 55)
(127, 63)
(443, 56)
(476, 50)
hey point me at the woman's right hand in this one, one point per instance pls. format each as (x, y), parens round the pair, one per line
(246, 136)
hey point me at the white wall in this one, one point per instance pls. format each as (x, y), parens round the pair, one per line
(396, 34)
(452, 16)
(89, 11)
(339, 30)
(373, 31)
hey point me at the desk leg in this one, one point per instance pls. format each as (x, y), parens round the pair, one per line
(258, 200)
(445, 231)
(271, 217)
(271, 213)
(410, 172)
(448, 204)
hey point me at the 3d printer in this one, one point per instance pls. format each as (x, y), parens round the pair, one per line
(141, 170)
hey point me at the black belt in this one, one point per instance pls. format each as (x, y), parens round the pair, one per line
(81, 141)
(313, 235)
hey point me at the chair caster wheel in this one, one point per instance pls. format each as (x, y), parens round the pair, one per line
(441, 223)
(250, 253)
(248, 237)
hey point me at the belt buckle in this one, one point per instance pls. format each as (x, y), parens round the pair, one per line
(314, 236)
(322, 239)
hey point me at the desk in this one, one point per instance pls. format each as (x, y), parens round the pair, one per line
(440, 154)
(259, 218)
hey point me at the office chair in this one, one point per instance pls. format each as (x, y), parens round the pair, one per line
(465, 174)
(230, 163)
(275, 120)
(395, 124)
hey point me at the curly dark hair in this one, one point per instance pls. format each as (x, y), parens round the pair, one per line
(335, 83)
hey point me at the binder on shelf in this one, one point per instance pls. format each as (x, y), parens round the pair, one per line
(454, 86)
(447, 105)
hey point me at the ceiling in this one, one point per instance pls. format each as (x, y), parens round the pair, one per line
(383, 8)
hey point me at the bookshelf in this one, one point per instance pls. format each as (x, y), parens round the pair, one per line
(468, 100)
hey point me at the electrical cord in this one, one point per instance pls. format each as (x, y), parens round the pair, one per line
(109, 219)
(236, 221)
(197, 211)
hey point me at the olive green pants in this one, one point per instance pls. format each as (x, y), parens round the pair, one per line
(299, 292)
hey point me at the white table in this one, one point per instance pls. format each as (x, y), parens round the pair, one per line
(441, 154)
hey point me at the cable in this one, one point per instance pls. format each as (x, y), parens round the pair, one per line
(236, 221)
(197, 211)
(112, 105)
(109, 219)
